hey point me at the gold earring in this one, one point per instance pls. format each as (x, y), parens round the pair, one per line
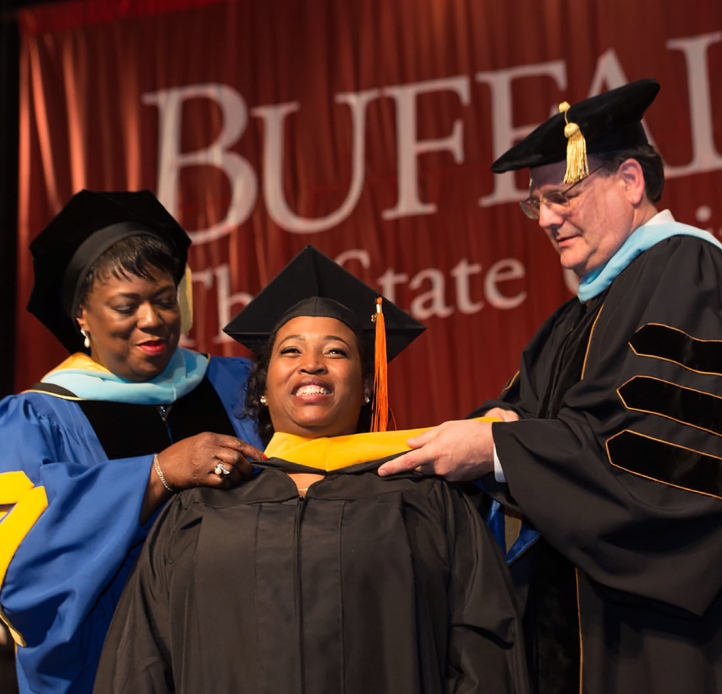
(86, 341)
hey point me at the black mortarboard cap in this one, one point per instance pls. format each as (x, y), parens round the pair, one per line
(80, 233)
(314, 285)
(607, 122)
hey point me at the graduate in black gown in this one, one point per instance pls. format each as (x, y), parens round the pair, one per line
(616, 452)
(317, 575)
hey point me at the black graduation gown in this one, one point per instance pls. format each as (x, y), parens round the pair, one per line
(618, 463)
(366, 585)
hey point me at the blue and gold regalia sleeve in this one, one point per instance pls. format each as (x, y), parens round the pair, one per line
(21, 504)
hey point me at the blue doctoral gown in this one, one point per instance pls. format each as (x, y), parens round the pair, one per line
(71, 531)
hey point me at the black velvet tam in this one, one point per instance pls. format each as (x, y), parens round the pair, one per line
(78, 235)
(610, 121)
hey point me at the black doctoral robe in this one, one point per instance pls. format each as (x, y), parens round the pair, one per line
(366, 585)
(618, 463)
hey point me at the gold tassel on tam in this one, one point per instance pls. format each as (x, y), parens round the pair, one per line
(380, 417)
(185, 301)
(577, 164)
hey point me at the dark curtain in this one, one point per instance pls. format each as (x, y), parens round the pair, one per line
(9, 91)
(9, 51)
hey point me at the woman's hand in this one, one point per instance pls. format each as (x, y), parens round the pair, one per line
(192, 462)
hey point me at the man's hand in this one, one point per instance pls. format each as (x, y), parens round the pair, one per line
(457, 450)
(503, 415)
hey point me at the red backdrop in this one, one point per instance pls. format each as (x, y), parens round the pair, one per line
(364, 128)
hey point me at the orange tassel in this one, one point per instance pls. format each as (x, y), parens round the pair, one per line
(380, 417)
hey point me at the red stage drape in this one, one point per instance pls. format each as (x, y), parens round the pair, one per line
(365, 128)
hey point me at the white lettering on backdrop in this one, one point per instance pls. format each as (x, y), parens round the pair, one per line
(429, 284)
(244, 181)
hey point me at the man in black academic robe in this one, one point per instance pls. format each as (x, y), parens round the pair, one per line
(611, 439)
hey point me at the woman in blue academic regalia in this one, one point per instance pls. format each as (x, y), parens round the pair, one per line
(91, 452)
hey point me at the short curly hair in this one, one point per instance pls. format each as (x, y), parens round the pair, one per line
(256, 387)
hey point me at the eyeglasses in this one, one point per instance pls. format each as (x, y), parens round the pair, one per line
(554, 198)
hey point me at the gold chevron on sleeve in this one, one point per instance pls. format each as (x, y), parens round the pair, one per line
(666, 463)
(671, 344)
(21, 504)
(688, 406)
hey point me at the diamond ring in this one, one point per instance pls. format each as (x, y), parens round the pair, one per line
(221, 470)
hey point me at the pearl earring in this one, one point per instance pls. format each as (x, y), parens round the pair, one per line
(86, 341)
(263, 400)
